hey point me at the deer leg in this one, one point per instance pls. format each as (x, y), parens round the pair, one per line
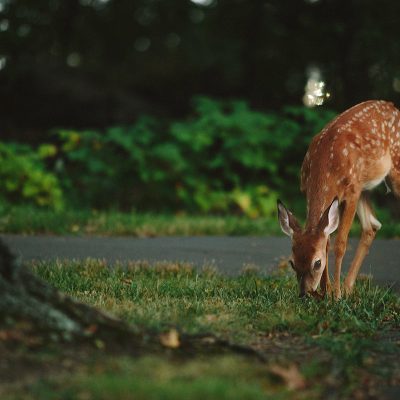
(370, 225)
(325, 282)
(346, 220)
(394, 176)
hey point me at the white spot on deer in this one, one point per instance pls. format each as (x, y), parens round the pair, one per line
(345, 152)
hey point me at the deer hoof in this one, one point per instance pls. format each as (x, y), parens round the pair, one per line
(337, 294)
(348, 289)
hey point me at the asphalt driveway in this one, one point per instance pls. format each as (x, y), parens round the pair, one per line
(229, 255)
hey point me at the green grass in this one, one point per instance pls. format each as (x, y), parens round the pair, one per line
(31, 220)
(152, 378)
(345, 348)
(175, 294)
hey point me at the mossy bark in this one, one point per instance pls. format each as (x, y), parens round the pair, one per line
(26, 298)
(28, 301)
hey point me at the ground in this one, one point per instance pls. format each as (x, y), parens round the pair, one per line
(208, 336)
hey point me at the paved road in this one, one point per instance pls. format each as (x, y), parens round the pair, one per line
(229, 255)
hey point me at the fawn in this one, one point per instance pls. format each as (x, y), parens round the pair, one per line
(353, 154)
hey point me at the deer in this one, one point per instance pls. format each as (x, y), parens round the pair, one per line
(353, 154)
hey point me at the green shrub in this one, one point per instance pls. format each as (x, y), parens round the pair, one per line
(123, 167)
(24, 178)
(241, 157)
(225, 158)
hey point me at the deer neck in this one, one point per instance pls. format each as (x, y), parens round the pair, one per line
(316, 206)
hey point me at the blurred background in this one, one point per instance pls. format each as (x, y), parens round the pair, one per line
(197, 106)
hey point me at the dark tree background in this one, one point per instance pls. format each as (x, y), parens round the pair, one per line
(94, 63)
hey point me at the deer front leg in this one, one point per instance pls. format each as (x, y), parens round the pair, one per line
(346, 220)
(325, 281)
(370, 225)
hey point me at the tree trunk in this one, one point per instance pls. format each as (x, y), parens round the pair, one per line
(35, 313)
(28, 303)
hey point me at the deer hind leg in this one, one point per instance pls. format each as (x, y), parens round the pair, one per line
(347, 217)
(370, 225)
(394, 176)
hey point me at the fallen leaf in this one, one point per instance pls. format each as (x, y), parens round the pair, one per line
(291, 376)
(91, 329)
(211, 318)
(208, 340)
(170, 339)
(99, 344)
(75, 228)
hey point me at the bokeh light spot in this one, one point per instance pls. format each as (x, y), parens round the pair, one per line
(173, 40)
(73, 60)
(315, 93)
(3, 62)
(396, 84)
(142, 44)
(4, 25)
(203, 2)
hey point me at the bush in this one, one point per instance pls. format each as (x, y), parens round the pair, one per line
(123, 167)
(226, 158)
(238, 156)
(24, 177)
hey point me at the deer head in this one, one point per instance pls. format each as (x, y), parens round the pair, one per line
(310, 246)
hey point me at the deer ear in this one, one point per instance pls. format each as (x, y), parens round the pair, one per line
(330, 219)
(288, 222)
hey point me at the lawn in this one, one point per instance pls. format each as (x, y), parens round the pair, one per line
(31, 220)
(284, 347)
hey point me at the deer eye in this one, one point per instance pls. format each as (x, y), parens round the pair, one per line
(317, 265)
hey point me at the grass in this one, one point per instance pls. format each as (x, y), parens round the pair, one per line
(28, 220)
(175, 294)
(347, 348)
(31, 220)
(152, 378)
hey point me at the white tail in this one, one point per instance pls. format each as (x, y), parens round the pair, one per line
(352, 154)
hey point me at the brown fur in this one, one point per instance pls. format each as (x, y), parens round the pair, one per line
(353, 153)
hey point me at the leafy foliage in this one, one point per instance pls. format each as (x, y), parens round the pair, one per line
(226, 158)
(248, 154)
(24, 177)
(133, 166)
